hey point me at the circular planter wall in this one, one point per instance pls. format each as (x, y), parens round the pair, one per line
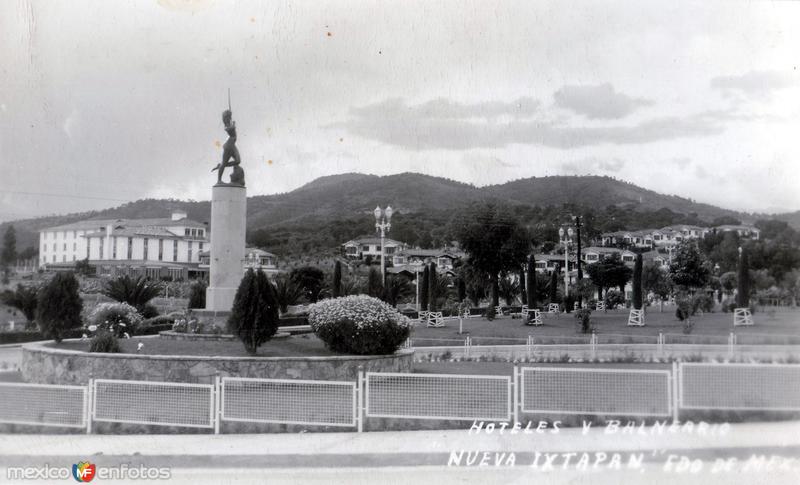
(47, 365)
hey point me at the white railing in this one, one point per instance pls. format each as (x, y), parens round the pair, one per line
(438, 396)
(570, 390)
(773, 387)
(154, 403)
(556, 390)
(43, 404)
(289, 401)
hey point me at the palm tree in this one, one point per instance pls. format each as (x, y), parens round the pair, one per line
(133, 291)
(397, 288)
(509, 289)
(287, 292)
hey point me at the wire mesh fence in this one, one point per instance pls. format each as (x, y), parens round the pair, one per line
(564, 390)
(43, 404)
(739, 386)
(438, 396)
(326, 403)
(154, 403)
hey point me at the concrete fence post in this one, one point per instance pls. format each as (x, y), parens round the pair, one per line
(360, 399)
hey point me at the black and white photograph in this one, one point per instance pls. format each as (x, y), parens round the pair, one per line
(399, 242)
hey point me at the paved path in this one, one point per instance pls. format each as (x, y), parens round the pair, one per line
(431, 456)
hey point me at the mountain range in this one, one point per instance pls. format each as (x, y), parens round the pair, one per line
(355, 195)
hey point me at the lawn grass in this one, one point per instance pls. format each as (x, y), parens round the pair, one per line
(306, 345)
(708, 328)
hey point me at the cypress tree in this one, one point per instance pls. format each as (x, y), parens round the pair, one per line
(254, 316)
(462, 289)
(59, 306)
(337, 279)
(522, 293)
(423, 290)
(432, 288)
(530, 285)
(637, 282)
(743, 287)
(553, 285)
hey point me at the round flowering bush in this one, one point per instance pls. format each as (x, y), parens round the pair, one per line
(117, 318)
(359, 324)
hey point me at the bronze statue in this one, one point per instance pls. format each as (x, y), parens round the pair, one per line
(230, 154)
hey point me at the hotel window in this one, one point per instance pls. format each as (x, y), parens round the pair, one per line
(73, 257)
(186, 232)
(114, 247)
(102, 243)
(88, 247)
(174, 250)
(190, 252)
(130, 248)
(146, 243)
(161, 250)
(200, 249)
(64, 258)
(65, 246)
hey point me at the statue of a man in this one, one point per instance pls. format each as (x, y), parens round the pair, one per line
(230, 154)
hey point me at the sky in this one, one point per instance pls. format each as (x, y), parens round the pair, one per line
(107, 102)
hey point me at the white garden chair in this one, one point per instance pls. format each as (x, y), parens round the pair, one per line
(435, 319)
(553, 309)
(636, 318)
(534, 318)
(742, 317)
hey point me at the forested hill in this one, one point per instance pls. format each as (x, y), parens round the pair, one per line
(321, 214)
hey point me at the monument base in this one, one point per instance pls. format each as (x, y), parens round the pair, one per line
(218, 319)
(228, 218)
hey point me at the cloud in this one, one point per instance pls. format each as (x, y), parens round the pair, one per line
(754, 84)
(599, 101)
(455, 126)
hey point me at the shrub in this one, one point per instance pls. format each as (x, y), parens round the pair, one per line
(702, 302)
(25, 299)
(254, 316)
(158, 320)
(683, 308)
(197, 295)
(491, 313)
(614, 298)
(59, 306)
(104, 341)
(148, 311)
(287, 291)
(583, 316)
(359, 325)
(117, 318)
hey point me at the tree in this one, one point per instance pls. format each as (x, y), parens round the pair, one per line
(336, 287)
(254, 316)
(509, 289)
(655, 281)
(553, 295)
(523, 295)
(423, 290)
(637, 282)
(374, 283)
(287, 292)
(432, 287)
(610, 272)
(197, 295)
(743, 289)
(494, 241)
(311, 279)
(462, 289)
(136, 292)
(578, 249)
(687, 268)
(9, 254)
(474, 283)
(24, 299)
(59, 306)
(530, 284)
(397, 288)
(82, 267)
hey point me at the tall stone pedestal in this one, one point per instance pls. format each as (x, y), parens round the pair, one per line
(228, 216)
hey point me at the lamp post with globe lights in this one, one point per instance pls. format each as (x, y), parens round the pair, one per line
(565, 238)
(383, 224)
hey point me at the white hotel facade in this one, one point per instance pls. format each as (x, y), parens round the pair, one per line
(158, 248)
